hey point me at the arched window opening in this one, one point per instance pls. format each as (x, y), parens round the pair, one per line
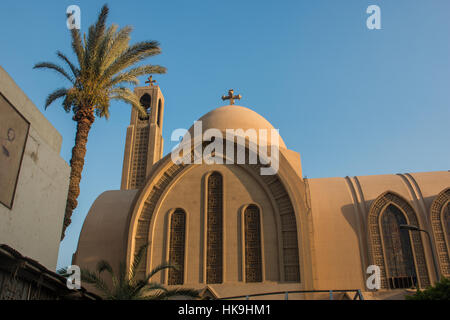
(146, 101)
(177, 247)
(398, 249)
(253, 259)
(214, 236)
(159, 113)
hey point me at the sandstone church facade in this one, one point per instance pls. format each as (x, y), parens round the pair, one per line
(232, 231)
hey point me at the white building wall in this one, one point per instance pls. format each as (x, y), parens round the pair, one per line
(33, 225)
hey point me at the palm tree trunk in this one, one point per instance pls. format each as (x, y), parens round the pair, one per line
(84, 118)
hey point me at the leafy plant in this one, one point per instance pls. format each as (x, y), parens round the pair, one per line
(105, 64)
(126, 286)
(440, 291)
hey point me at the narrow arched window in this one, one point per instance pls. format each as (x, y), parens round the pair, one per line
(159, 113)
(146, 101)
(401, 271)
(253, 259)
(214, 236)
(177, 247)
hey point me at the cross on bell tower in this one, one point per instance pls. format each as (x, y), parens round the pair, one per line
(150, 81)
(231, 97)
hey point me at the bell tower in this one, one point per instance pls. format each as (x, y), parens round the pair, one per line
(144, 142)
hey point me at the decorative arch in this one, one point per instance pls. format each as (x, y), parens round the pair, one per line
(376, 246)
(289, 248)
(140, 235)
(440, 220)
(177, 246)
(252, 244)
(214, 228)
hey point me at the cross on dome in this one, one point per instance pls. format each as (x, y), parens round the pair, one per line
(231, 97)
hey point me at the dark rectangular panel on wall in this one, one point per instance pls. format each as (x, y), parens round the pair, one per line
(13, 136)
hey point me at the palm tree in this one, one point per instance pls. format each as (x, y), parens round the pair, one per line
(126, 286)
(105, 64)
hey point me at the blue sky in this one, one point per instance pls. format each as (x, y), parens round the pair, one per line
(351, 101)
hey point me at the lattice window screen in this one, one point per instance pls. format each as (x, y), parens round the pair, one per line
(398, 250)
(253, 259)
(177, 247)
(214, 238)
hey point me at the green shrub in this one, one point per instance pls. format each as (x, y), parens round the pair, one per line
(440, 291)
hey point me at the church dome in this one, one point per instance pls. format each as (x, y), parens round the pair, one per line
(237, 117)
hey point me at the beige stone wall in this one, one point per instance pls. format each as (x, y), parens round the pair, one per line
(118, 213)
(105, 230)
(340, 209)
(33, 225)
(188, 193)
(337, 261)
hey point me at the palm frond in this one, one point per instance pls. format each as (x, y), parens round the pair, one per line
(104, 46)
(57, 94)
(130, 76)
(159, 268)
(137, 260)
(122, 274)
(77, 46)
(132, 55)
(52, 66)
(104, 265)
(62, 272)
(119, 44)
(70, 99)
(163, 295)
(96, 280)
(73, 68)
(142, 287)
(128, 96)
(96, 32)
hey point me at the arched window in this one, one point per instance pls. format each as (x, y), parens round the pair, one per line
(177, 246)
(146, 101)
(159, 113)
(398, 251)
(253, 259)
(214, 240)
(440, 222)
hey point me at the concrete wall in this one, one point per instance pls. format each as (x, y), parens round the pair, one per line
(33, 225)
